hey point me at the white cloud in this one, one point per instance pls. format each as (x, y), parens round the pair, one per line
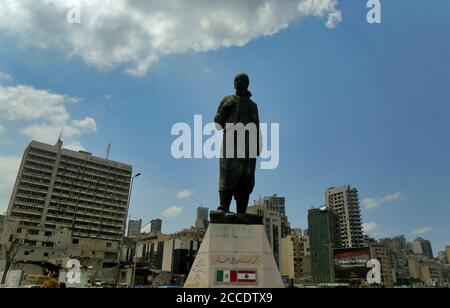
(2, 129)
(134, 34)
(74, 146)
(184, 194)
(334, 18)
(9, 166)
(172, 211)
(421, 231)
(86, 125)
(42, 114)
(393, 197)
(370, 203)
(373, 203)
(321, 9)
(370, 226)
(27, 103)
(5, 76)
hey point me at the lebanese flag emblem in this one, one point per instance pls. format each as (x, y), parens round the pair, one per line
(246, 276)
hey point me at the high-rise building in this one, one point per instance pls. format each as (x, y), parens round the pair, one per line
(397, 243)
(302, 256)
(285, 226)
(422, 247)
(400, 265)
(287, 257)
(277, 203)
(272, 224)
(322, 235)
(201, 221)
(155, 226)
(382, 254)
(343, 201)
(274, 202)
(134, 228)
(399, 252)
(59, 189)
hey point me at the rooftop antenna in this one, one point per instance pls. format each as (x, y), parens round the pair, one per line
(108, 150)
(60, 142)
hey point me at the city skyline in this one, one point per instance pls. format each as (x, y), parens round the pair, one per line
(358, 104)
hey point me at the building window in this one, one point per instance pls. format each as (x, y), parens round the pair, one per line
(48, 233)
(30, 243)
(45, 254)
(26, 253)
(109, 245)
(48, 244)
(75, 241)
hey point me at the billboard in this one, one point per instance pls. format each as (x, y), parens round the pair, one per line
(351, 263)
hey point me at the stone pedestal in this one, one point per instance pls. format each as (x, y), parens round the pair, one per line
(234, 256)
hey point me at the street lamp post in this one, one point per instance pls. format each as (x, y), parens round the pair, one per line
(124, 227)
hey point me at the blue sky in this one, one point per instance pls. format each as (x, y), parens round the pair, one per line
(358, 104)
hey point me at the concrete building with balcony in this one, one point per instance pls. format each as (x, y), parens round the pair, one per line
(430, 272)
(383, 254)
(64, 202)
(399, 251)
(302, 256)
(344, 202)
(287, 257)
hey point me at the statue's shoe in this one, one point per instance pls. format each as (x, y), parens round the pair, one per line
(230, 218)
(217, 216)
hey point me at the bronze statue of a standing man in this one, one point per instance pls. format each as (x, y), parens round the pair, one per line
(237, 173)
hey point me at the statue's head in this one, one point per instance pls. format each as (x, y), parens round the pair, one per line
(241, 83)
